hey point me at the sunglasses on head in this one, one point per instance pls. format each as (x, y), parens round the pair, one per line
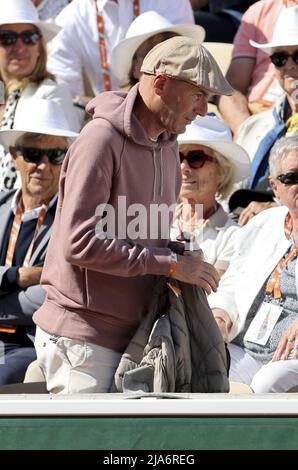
(34, 155)
(29, 37)
(279, 59)
(195, 158)
(288, 178)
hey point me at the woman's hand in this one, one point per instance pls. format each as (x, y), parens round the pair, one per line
(288, 345)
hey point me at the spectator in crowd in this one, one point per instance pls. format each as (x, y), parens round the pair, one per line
(147, 30)
(211, 163)
(23, 71)
(251, 73)
(49, 9)
(258, 133)
(102, 261)
(256, 302)
(100, 25)
(37, 144)
(220, 18)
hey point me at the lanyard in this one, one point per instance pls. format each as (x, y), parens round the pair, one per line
(273, 285)
(105, 69)
(14, 233)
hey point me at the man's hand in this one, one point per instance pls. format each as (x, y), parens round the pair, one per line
(192, 268)
(253, 209)
(29, 276)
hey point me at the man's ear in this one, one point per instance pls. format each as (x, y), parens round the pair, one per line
(159, 84)
(273, 186)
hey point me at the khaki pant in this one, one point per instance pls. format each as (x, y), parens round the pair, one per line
(72, 366)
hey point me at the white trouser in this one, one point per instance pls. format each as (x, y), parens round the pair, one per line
(279, 376)
(72, 366)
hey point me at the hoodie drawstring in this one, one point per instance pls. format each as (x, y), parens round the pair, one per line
(160, 162)
(154, 177)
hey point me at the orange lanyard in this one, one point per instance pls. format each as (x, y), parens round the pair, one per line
(105, 69)
(273, 285)
(14, 233)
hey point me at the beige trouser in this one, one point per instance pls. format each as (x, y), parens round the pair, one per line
(72, 366)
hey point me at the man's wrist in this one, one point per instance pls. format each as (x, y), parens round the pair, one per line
(173, 265)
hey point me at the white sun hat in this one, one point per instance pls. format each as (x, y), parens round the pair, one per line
(39, 116)
(23, 11)
(285, 32)
(213, 133)
(143, 27)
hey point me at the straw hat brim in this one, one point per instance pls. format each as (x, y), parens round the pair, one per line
(8, 138)
(123, 52)
(48, 30)
(231, 151)
(269, 47)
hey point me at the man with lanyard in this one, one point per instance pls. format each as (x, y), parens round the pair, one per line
(38, 143)
(256, 304)
(91, 28)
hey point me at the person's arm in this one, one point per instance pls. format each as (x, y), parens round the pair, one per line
(92, 163)
(17, 308)
(234, 109)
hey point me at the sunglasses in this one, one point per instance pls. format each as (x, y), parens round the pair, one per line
(279, 59)
(29, 37)
(196, 158)
(288, 178)
(34, 155)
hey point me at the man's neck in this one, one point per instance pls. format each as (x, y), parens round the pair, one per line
(31, 202)
(147, 119)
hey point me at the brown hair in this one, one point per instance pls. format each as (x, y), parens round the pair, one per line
(142, 51)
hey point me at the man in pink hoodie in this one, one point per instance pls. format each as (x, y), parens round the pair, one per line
(103, 259)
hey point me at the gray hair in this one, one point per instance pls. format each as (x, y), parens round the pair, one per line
(36, 136)
(279, 151)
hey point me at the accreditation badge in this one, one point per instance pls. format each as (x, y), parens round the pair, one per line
(263, 323)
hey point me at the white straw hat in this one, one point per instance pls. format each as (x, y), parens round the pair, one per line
(23, 11)
(285, 32)
(213, 133)
(40, 116)
(143, 27)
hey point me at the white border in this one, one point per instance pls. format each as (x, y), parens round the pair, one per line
(196, 405)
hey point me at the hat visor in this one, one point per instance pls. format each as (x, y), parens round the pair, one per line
(232, 152)
(48, 30)
(122, 54)
(8, 138)
(270, 47)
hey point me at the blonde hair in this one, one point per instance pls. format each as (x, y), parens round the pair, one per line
(226, 175)
(39, 73)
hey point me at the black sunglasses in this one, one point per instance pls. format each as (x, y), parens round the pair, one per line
(196, 158)
(34, 155)
(279, 59)
(29, 37)
(288, 178)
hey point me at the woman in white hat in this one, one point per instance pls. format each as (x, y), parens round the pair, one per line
(259, 133)
(147, 30)
(211, 163)
(23, 72)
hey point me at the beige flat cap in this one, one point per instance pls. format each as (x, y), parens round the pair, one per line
(186, 59)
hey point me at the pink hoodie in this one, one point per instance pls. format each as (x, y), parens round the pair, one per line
(98, 290)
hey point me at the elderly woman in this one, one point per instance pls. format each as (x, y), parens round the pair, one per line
(23, 71)
(147, 30)
(256, 303)
(211, 163)
(259, 133)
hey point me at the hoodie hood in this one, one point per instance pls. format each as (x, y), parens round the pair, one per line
(117, 108)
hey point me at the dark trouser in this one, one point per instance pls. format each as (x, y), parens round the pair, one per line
(16, 353)
(219, 28)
